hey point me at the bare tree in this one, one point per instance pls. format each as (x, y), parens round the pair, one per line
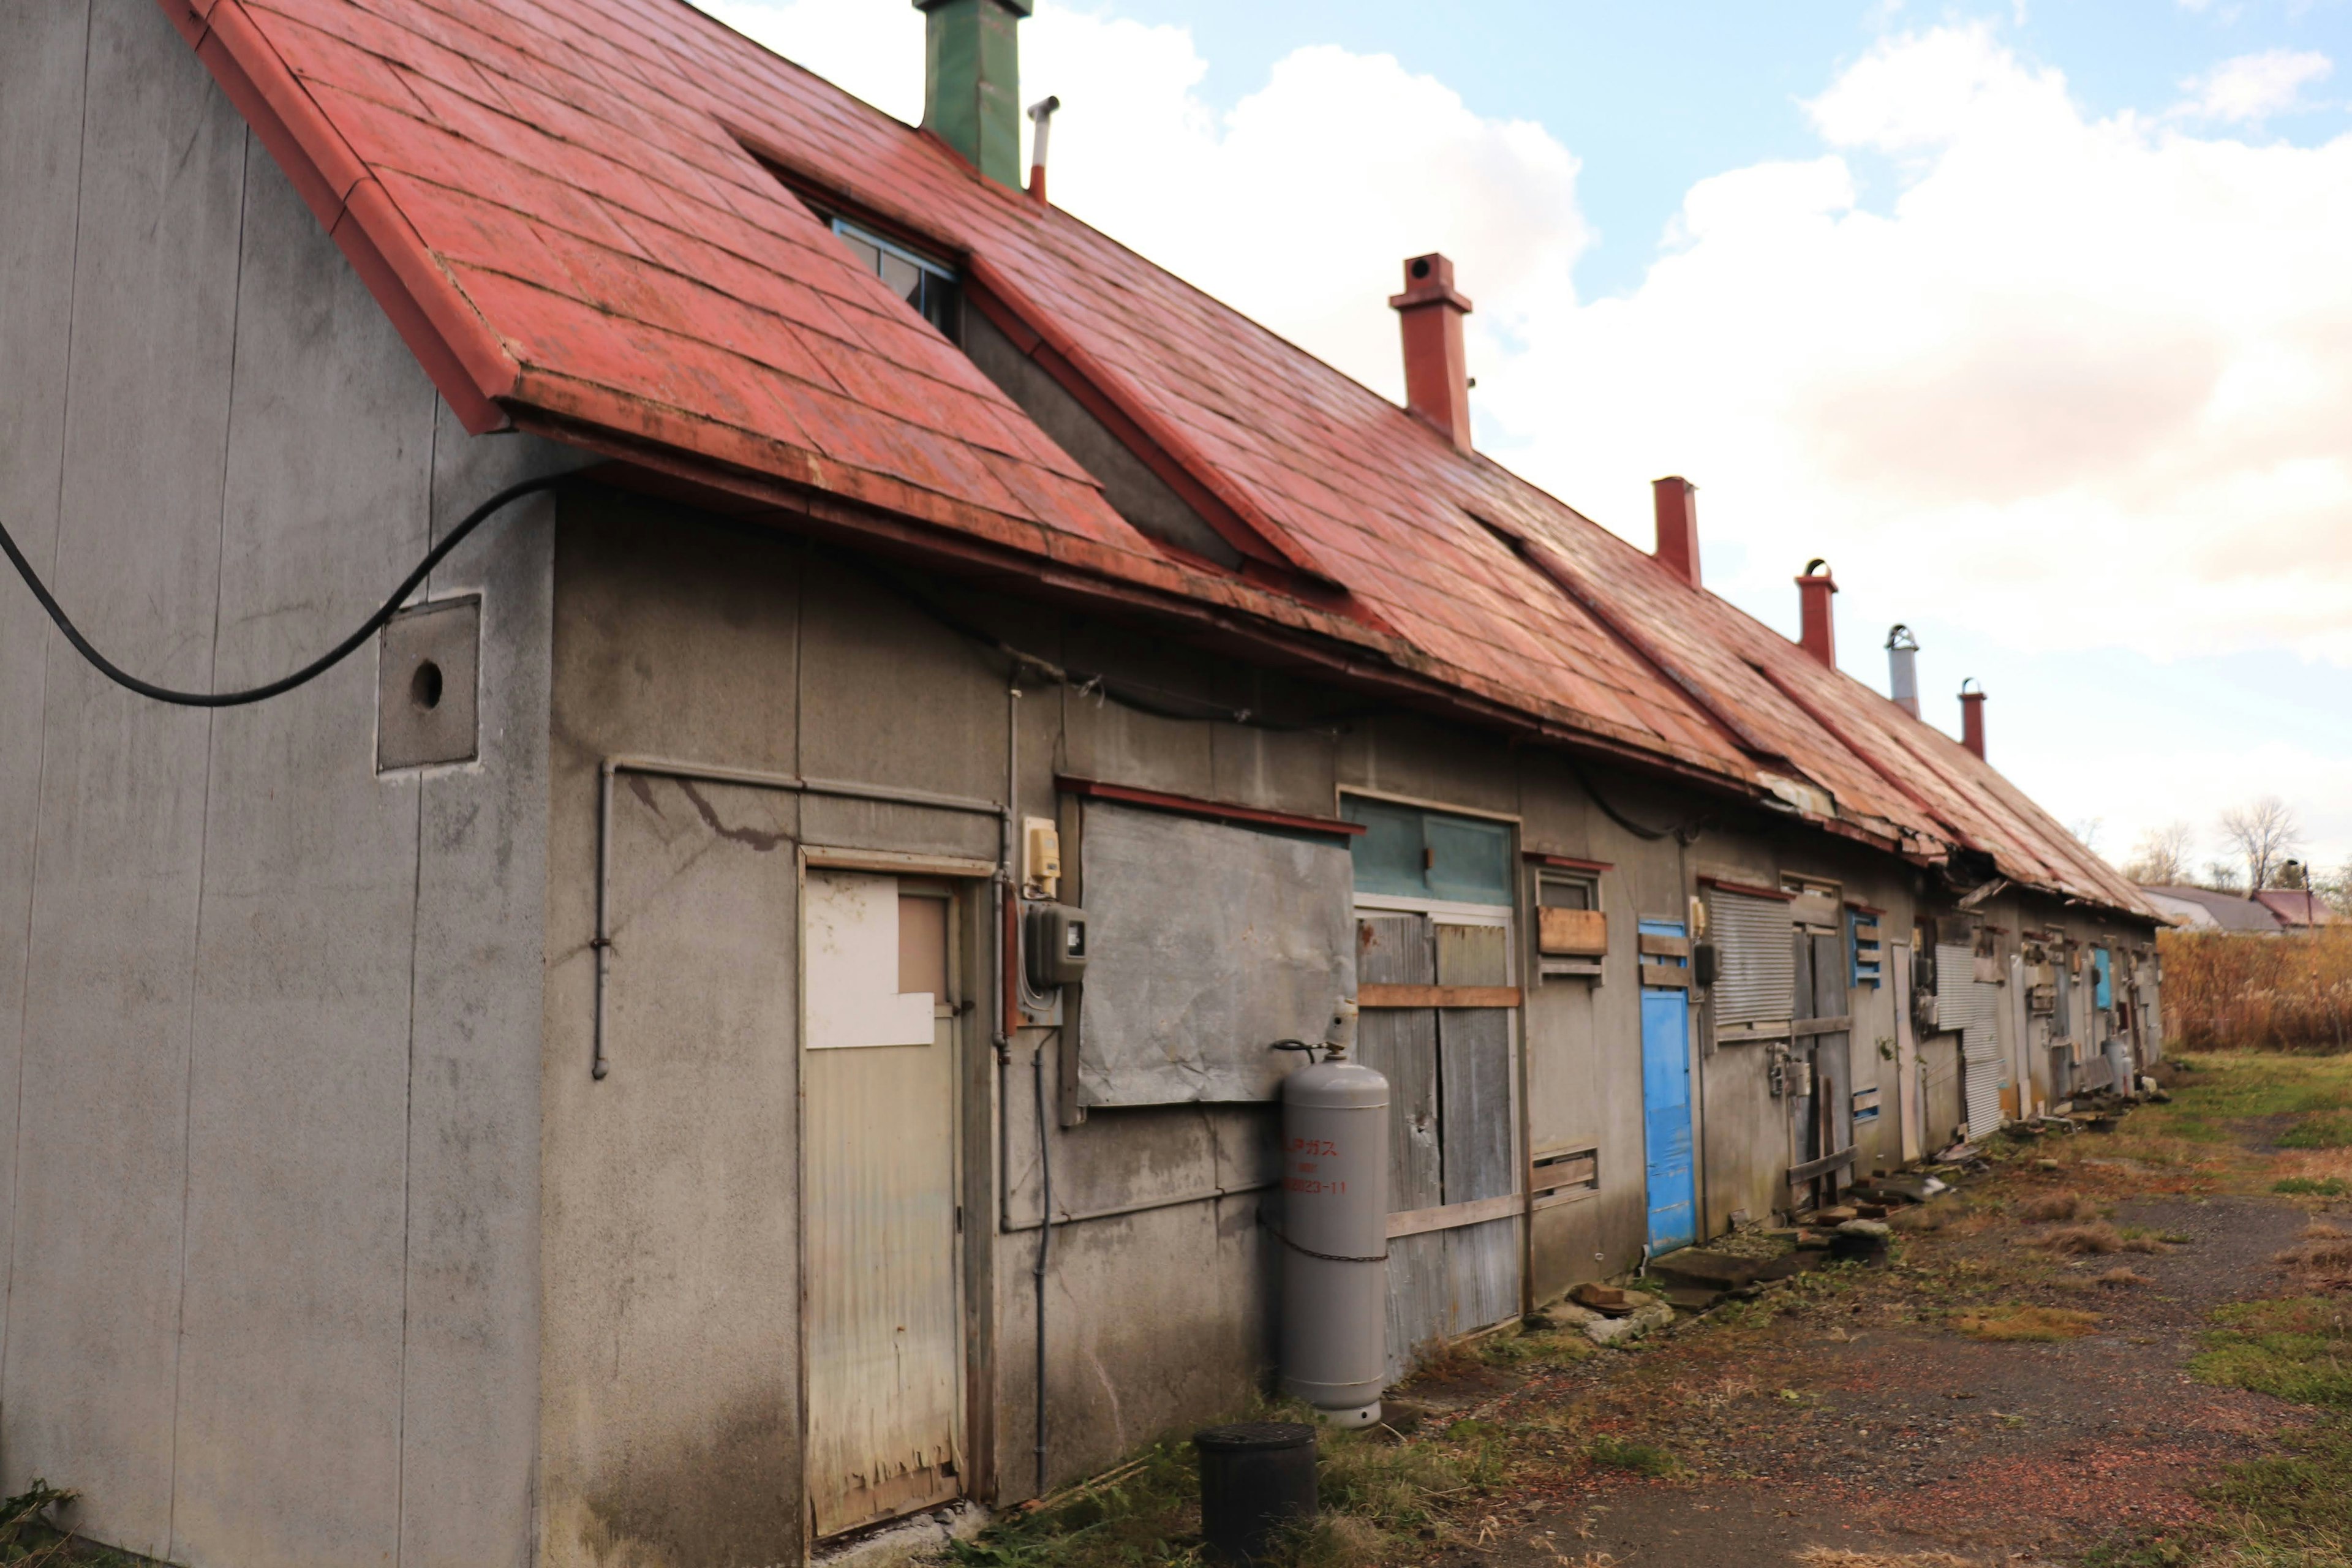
(2263, 833)
(2086, 828)
(2161, 857)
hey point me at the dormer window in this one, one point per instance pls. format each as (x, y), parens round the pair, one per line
(927, 285)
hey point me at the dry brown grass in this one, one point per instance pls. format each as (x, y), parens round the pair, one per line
(2322, 1258)
(2097, 1240)
(2026, 1325)
(2048, 1206)
(2258, 993)
(2119, 1278)
(1832, 1557)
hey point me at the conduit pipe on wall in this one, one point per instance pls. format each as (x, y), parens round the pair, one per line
(705, 773)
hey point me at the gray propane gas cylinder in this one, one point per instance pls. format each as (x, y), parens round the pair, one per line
(1335, 1212)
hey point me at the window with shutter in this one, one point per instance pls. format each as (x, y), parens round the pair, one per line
(1755, 994)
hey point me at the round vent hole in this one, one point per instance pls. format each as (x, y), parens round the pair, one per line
(424, 687)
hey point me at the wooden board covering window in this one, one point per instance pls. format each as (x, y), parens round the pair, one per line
(1571, 933)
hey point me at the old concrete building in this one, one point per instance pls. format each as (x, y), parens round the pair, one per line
(564, 1086)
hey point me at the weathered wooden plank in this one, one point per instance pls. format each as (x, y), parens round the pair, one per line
(1483, 1262)
(1665, 946)
(1475, 1055)
(1449, 1216)
(1394, 996)
(1403, 1047)
(1571, 933)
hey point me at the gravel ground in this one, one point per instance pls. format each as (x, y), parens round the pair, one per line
(1845, 1424)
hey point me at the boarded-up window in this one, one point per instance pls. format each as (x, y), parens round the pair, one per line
(1209, 943)
(1758, 983)
(1965, 1003)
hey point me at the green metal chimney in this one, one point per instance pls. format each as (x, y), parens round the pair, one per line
(972, 82)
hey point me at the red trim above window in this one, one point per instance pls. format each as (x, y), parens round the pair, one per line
(1751, 891)
(1872, 909)
(1214, 810)
(1564, 862)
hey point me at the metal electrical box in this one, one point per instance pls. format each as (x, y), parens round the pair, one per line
(428, 666)
(1056, 946)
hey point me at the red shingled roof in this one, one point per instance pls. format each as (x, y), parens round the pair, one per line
(580, 218)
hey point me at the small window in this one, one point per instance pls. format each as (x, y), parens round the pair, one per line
(927, 285)
(1869, 951)
(1571, 933)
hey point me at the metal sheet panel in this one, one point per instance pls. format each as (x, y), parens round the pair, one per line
(882, 1336)
(1209, 942)
(1759, 982)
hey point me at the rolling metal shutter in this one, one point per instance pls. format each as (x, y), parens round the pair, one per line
(1759, 982)
(1969, 1005)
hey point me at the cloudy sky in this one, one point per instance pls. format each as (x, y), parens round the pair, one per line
(2035, 319)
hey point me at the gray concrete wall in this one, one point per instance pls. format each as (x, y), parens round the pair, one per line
(671, 1399)
(267, 1019)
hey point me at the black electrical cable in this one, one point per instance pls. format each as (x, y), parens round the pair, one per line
(1682, 832)
(308, 672)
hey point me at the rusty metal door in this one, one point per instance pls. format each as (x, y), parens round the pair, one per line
(880, 1307)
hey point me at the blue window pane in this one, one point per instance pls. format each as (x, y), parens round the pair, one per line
(1388, 858)
(1469, 860)
(1421, 853)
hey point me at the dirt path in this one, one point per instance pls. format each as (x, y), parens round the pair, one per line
(1847, 1425)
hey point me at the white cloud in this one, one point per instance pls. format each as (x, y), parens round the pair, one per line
(2250, 89)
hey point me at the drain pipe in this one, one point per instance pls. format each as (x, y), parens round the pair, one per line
(1013, 982)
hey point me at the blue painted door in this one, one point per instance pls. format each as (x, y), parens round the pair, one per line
(1667, 1107)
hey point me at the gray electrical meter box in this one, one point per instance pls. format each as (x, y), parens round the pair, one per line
(1057, 941)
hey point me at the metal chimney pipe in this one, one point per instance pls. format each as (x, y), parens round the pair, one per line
(1972, 717)
(1819, 634)
(1902, 667)
(1041, 119)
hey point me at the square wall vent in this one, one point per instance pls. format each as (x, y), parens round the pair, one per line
(426, 677)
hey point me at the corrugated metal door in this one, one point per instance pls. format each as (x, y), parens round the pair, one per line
(1759, 980)
(1968, 1005)
(880, 1308)
(1667, 1107)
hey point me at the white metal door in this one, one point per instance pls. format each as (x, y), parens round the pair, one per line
(880, 1318)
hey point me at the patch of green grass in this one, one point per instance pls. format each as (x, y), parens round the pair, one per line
(2313, 1187)
(2298, 1349)
(1640, 1459)
(2293, 1508)
(1538, 1343)
(2319, 1133)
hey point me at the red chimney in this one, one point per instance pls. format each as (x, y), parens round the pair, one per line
(1436, 377)
(1972, 717)
(1676, 500)
(1820, 638)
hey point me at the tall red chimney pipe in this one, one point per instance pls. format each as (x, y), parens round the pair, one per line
(1972, 717)
(1436, 372)
(1675, 500)
(1819, 634)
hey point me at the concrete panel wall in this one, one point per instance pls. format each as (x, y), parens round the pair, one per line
(268, 1237)
(681, 638)
(670, 1404)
